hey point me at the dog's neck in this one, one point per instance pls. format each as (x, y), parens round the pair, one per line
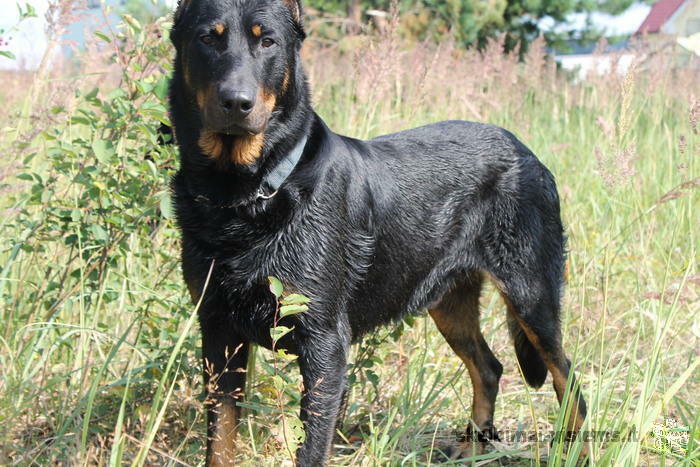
(230, 183)
(282, 169)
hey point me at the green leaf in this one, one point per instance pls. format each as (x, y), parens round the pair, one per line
(119, 92)
(295, 299)
(282, 353)
(103, 36)
(275, 286)
(28, 12)
(161, 88)
(279, 332)
(278, 382)
(104, 150)
(79, 120)
(288, 310)
(92, 95)
(152, 168)
(297, 428)
(8, 54)
(155, 110)
(166, 206)
(372, 377)
(133, 22)
(99, 233)
(100, 185)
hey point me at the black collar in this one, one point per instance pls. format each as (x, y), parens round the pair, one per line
(281, 172)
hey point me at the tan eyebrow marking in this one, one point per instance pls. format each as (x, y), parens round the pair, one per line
(256, 30)
(219, 28)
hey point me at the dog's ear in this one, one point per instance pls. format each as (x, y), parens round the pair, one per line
(295, 7)
(297, 16)
(181, 7)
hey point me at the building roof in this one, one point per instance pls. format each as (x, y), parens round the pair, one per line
(659, 14)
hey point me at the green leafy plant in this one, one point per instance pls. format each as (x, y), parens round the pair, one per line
(93, 200)
(292, 429)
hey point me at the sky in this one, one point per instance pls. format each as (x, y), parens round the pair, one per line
(29, 41)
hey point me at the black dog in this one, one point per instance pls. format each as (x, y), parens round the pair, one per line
(369, 230)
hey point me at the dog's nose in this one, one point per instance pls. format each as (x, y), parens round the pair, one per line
(237, 103)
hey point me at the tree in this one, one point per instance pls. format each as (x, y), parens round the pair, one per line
(473, 22)
(145, 11)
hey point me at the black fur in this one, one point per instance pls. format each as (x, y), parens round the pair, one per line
(368, 230)
(533, 368)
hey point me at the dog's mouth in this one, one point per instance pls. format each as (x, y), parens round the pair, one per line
(238, 129)
(242, 149)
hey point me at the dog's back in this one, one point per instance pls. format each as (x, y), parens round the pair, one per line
(439, 201)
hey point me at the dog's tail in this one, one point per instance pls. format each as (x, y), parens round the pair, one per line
(531, 364)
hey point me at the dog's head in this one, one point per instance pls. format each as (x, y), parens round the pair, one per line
(234, 58)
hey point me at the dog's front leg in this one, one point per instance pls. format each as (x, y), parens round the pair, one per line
(322, 364)
(225, 358)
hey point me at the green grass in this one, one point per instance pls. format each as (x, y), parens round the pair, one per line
(99, 351)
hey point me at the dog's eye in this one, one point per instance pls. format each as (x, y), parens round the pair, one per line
(207, 39)
(267, 42)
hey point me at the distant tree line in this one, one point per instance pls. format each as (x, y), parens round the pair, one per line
(473, 22)
(470, 22)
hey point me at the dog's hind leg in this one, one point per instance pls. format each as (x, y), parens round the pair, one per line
(457, 318)
(524, 252)
(533, 304)
(544, 334)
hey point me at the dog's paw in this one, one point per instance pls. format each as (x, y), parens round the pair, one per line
(460, 451)
(485, 435)
(469, 445)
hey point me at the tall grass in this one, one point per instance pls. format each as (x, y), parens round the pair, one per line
(99, 360)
